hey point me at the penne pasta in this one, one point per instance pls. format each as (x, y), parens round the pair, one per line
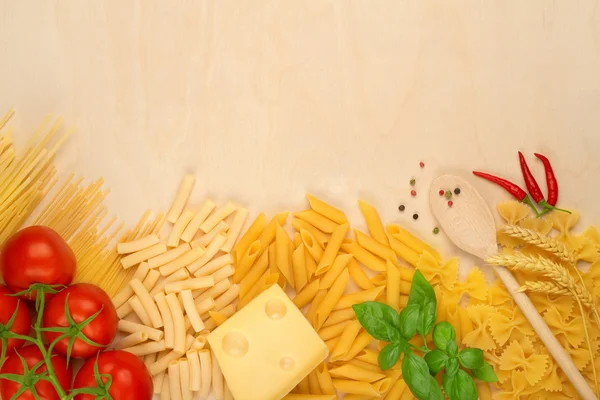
(183, 194)
(265, 282)
(146, 348)
(143, 255)
(282, 245)
(397, 391)
(227, 298)
(256, 271)
(268, 234)
(251, 235)
(369, 356)
(211, 250)
(326, 210)
(131, 340)
(373, 246)
(218, 317)
(272, 254)
(374, 223)
(317, 220)
(190, 284)
(314, 305)
(313, 247)
(331, 343)
(359, 297)
(194, 225)
(184, 379)
(347, 337)
(379, 280)
(366, 258)
(332, 249)
(191, 312)
(299, 267)
(206, 370)
(303, 386)
(324, 379)
(194, 368)
(133, 327)
(392, 294)
(213, 292)
(234, 230)
(125, 294)
(139, 310)
(246, 261)
(178, 323)
(138, 244)
(296, 396)
(403, 251)
(217, 216)
(360, 343)
(174, 380)
(338, 266)
(313, 383)
(355, 387)
(359, 276)
(311, 265)
(163, 362)
(297, 239)
(228, 395)
(333, 331)
(205, 240)
(339, 316)
(181, 223)
(319, 236)
(330, 300)
(307, 294)
(147, 302)
(349, 371)
(217, 379)
(183, 261)
(165, 392)
(415, 244)
(169, 256)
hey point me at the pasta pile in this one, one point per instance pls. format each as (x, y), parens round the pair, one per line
(180, 291)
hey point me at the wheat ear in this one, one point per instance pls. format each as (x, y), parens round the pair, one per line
(549, 288)
(540, 241)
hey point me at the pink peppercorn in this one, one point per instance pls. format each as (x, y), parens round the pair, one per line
(450, 203)
(422, 164)
(442, 192)
(413, 193)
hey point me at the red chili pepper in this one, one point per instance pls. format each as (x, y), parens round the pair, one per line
(550, 180)
(534, 188)
(510, 187)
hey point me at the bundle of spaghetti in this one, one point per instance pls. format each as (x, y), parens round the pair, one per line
(25, 180)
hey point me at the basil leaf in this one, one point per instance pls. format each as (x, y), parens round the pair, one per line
(471, 358)
(451, 366)
(420, 290)
(452, 349)
(485, 373)
(427, 318)
(460, 387)
(380, 320)
(443, 334)
(389, 356)
(436, 360)
(409, 317)
(416, 375)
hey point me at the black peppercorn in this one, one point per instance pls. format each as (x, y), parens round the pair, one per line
(415, 216)
(457, 191)
(401, 207)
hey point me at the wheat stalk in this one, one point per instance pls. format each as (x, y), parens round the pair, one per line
(543, 242)
(549, 288)
(549, 269)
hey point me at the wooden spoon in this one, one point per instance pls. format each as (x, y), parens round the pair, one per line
(470, 226)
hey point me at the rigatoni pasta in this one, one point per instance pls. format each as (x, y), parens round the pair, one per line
(143, 255)
(211, 250)
(183, 194)
(217, 216)
(205, 240)
(178, 323)
(169, 256)
(147, 302)
(138, 244)
(191, 311)
(194, 225)
(133, 327)
(181, 223)
(206, 370)
(183, 261)
(193, 360)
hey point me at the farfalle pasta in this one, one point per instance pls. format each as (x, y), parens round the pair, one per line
(515, 357)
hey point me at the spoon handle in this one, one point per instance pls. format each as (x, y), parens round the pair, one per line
(539, 325)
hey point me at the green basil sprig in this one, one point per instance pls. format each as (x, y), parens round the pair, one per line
(418, 317)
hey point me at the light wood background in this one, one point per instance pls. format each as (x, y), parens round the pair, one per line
(265, 100)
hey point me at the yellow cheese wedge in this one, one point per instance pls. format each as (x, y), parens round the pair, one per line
(267, 348)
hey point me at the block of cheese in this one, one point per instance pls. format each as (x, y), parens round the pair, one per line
(266, 348)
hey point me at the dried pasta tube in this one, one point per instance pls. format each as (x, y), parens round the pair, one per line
(324, 379)
(332, 249)
(313, 383)
(217, 379)
(206, 368)
(349, 371)
(139, 310)
(143, 255)
(180, 275)
(181, 223)
(338, 316)
(307, 294)
(227, 298)
(213, 292)
(227, 395)
(165, 393)
(174, 380)
(311, 244)
(163, 362)
(125, 294)
(368, 259)
(147, 302)
(282, 245)
(146, 348)
(131, 340)
(133, 327)
(245, 263)
(205, 240)
(235, 228)
(359, 297)
(224, 273)
(335, 269)
(219, 215)
(326, 209)
(355, 387)
(256, 271)
(333, 331)
(194, 225)
(373, 222)
(185, 260)
(369, 356)
(392, 294)
(157, 382)
(169, 256)
(359, 276)
(299, 267)
(184, 379)
(214, 265)
(190, 284)
(211, 250)
(317, 220)
(138, 244)
(178, 323)
(331, 299)
(360, 343)
(319, 236)
(194, 368)
(314, 305)
(183, 194)
(199, 343)
(253, 232)
(165, 312)
(190, 310)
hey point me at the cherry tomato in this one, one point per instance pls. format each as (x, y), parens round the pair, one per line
(36, 254)
(130, 377)
(32, 355)
(84, 301)
(21, 323)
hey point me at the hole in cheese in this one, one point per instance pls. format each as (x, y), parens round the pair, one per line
(286, 363)
(235, 344)
(275, 309)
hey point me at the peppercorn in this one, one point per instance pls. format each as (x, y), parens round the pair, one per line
(413, 181)
(401, 207)
(413, 193)
(450, 203)
(441, 192)
(448, 194)
(457, 191)
(422, 164)
(415, 216)
(436, 230)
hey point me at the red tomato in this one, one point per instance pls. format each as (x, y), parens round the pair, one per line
(22, 322)
(36, 254)
(32, 356)
(131, 379)
(84, 301)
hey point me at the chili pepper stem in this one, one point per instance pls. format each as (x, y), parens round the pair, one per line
(527, 200)
(547, 207)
